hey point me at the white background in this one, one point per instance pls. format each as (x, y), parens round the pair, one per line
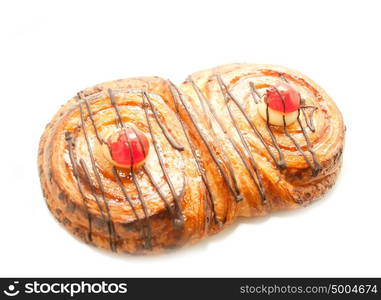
(52, 49)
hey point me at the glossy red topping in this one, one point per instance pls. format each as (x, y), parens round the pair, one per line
(128, 147)
(290, 97)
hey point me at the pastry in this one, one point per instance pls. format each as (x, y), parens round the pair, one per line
(140, 165)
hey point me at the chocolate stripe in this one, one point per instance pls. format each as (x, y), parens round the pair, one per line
(179, 217)
(255, 95)
(93, 192)
(254, 92)
(158, 189)
(128, 199)
(281, 75)
(223, 153)
(148, 227)
(281, 164)
(201, 170)
(234, 144)
(112, 233)
(146, 230)
(309, 121)
(170, 139)
(113, 103)
(318, 167)
(152, 180)
(168, 136)
(273, 138)
(315, 169)
(236, 195)
(177, 220)
(115, 173)
(70, 142)
(91, 116)
(258, 184)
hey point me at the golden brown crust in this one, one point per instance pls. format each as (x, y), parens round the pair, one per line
(207, 203)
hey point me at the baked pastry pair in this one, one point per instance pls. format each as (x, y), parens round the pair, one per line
(140, 165)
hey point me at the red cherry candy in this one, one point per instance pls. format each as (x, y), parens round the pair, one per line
(128, 147)
(288, 93)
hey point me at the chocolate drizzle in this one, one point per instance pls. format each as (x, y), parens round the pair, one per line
(91, 116)
(113, 103)
(258, 181)
(93, 192)
(170, 139)
(158, 190)
(310, 124)
(316, 167)
(282, 75)
(70, 142)
(236, 147)
(310, 120)
(303, 107)
(145, 226)
(126, 196)
(213, 154)
(110, 224)
(153, 182)
(254, 92)
(216, 139)
(209, 200)
(179, 221)
(279, 163)
(282, 161)
(146, 229)
(168, 136)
